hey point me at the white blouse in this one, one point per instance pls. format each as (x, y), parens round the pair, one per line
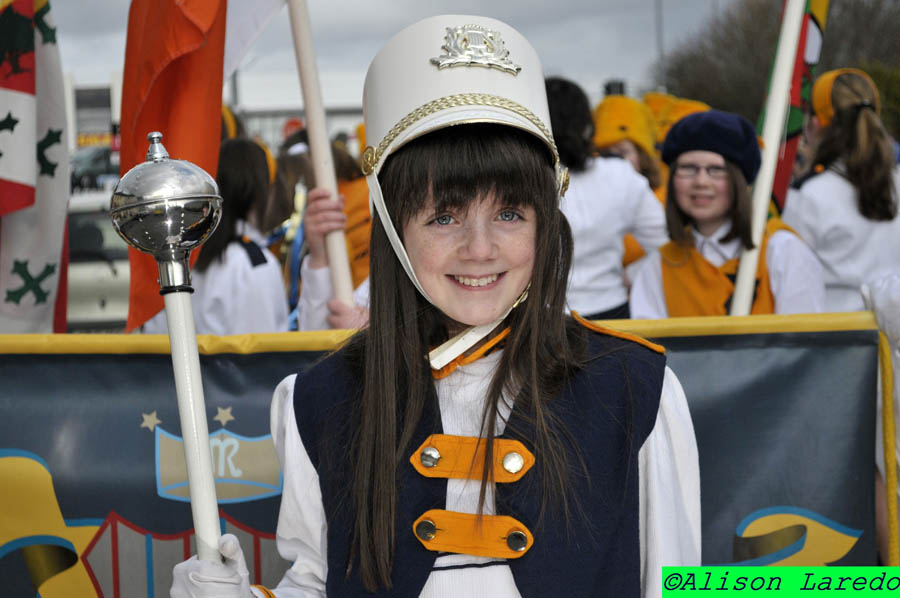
(232, 296)
(852, 249)
(669, 487)
(603, 203)
(795, 274)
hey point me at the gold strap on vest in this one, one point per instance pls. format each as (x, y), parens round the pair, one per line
(618, 333)
(462, 458)
(497, 536)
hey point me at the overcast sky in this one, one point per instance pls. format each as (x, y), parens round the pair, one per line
(589, 41)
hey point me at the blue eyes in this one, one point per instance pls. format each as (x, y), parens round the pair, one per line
(503, 216)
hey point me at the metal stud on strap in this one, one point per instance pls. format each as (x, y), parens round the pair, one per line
(426, 530)
(513, 462)
(429, 456)
(517, 541)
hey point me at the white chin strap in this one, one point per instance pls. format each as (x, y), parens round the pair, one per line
(463, 341)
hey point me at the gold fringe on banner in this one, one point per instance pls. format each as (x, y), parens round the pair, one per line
(329, 340)
(890, 456)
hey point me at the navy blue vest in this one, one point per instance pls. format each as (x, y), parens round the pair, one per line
(608, 409)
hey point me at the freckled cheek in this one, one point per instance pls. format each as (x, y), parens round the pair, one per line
(428, 265)
(522, 251)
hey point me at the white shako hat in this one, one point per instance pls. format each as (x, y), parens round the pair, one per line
(443, 71)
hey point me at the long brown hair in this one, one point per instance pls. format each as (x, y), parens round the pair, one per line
(857, 136)
(243, 180)
(740, 211)
(455, 166)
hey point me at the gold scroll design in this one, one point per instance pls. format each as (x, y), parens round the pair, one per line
(791, 536)
(31, 521)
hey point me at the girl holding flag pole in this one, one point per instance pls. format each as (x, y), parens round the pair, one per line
(713, 156)
(473, 440)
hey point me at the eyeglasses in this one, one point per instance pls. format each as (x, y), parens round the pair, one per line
(689, 171)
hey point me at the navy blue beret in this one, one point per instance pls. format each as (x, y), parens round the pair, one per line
(727, 134)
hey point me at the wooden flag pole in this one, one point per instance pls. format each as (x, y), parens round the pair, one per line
(808, 52)
(776, 113)
(320, 147)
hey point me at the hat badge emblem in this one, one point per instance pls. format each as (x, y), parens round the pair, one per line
(473, 45)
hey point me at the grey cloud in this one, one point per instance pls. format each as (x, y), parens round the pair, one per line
(587, 40)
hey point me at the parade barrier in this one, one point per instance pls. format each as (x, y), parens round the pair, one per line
(93, 486)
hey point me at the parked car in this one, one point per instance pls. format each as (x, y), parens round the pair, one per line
(94, 167)
(98, 267)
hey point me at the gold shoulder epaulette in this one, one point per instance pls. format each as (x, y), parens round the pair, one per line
(618, 334)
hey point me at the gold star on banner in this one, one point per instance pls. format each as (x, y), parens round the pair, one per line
(223, 416)
(150, 420)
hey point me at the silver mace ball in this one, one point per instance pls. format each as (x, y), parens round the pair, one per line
(166, 208)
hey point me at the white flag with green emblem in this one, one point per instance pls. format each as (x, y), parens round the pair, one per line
(32, 146)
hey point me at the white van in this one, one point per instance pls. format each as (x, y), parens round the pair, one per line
(98, 267)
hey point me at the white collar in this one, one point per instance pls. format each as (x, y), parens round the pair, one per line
(245, 229)
(713, 248)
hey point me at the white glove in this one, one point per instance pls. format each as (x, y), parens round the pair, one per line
(203, 579)
(883, 297)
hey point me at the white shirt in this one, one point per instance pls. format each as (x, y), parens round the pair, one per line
(232, 296)
(603, 203)
(669, 486)
(795, 274)
(315, 293)
(852, 249)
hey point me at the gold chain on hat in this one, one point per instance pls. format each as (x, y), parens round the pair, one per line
(371, 156)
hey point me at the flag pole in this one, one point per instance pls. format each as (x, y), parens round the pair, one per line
(320, 148)
(776, 113)
(808, 52)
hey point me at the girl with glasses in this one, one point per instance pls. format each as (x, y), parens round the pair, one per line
(713, 157)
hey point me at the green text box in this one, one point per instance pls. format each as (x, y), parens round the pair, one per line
(722, 581)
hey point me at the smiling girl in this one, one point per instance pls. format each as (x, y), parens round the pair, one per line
(713, 156)
(473, 440)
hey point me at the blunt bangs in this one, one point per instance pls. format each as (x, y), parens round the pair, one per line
(458, 164)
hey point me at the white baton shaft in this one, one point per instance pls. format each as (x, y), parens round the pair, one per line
(194, 430)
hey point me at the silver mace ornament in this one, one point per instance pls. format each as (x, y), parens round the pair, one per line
(167, 208)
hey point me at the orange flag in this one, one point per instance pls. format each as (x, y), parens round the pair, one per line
(172, 83)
